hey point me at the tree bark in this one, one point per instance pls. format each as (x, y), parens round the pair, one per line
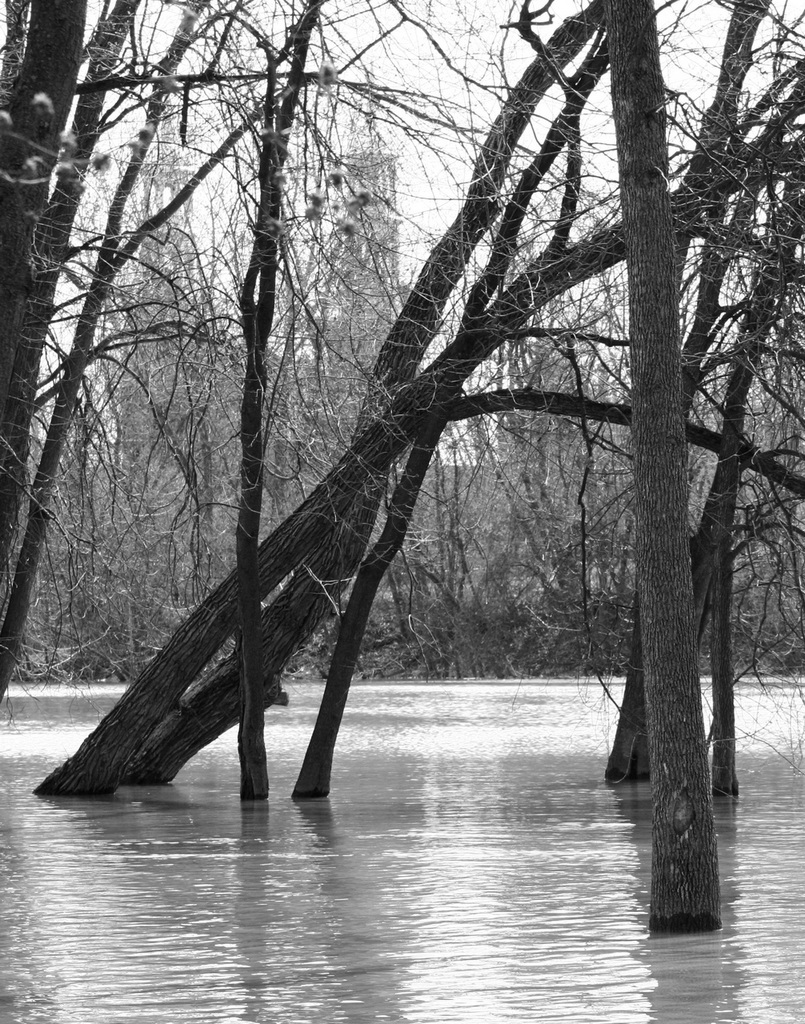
(684, 885)
(717, 127)
(717, 526)
(251, 734)
(258, 304)
(725, 777)
(628, 759)
(38, 107)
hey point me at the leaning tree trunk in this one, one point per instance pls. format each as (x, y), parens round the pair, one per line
(684, 877)
(311, 534)
(307, 534)
(314, 777)
(210, 706)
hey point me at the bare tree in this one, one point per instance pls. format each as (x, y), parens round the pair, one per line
(348, 496)
(684, 877)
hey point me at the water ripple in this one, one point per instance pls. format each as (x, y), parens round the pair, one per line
(470, 866)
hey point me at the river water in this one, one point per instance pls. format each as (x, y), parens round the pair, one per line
(470, 866)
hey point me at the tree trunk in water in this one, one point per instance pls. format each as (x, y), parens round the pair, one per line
(684, 876)
(251, 729)
(204, 714)
(251, 734)
(737, 59)
(309, 535)
(758, 322)
(210, 706)
(628, 758)
(725, 779)
(314, 777)
(257, 306)
(719, 518)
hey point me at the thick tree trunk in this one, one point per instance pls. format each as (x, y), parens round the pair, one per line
(203, 714)
(684, 886)
(628, 758)
(314, 777)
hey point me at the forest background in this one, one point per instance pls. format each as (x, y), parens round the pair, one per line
(142, 212)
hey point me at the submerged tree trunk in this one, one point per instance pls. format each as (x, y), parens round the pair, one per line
(719, 519)
(684, 882)
(725, 778)
(628, 759)
(314, 777)
(210, 706)
(251, 734)
(257, 305)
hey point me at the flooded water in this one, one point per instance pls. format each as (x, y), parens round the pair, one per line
(469, 866)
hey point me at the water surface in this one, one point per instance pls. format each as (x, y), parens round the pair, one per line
(470, 866)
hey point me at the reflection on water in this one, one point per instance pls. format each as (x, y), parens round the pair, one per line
(470, 866)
